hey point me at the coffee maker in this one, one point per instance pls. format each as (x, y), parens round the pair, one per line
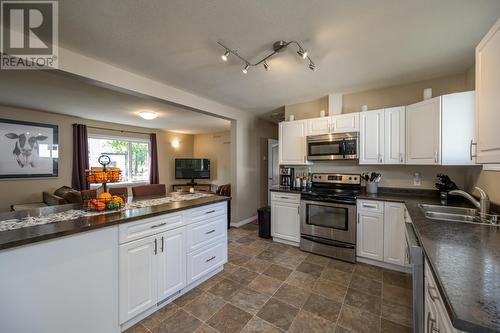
(286, 177)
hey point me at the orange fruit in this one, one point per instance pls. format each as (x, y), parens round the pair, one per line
(100, 205)
(117, 199)
(105, 196)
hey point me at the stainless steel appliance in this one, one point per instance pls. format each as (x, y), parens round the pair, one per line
(287, 176)
(328, 216)
(342, 146)
(415, 256)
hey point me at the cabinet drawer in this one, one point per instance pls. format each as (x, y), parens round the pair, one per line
(371, 206)
(204, 232)
(205, 212)
(150, 226)
(285, 197)
(205, 260)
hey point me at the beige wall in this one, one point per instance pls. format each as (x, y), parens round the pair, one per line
(487, 180)
(216, 147)
(306, 110)
(14, 191)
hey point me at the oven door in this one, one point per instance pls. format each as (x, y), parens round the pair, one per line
(333, 221)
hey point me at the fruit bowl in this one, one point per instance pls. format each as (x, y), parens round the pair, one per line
(105, 202)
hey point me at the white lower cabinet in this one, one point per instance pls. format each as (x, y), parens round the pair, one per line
(204, 260)
(381, 231)
(370, 235)
(285, 218)
(171, 263)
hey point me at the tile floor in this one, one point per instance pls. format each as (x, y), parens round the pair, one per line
(270, 287)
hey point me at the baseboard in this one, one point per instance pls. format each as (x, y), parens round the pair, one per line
(285, 241)
(243, 222)
(382, 264)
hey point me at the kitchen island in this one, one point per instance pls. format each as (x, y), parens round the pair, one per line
(105, 272)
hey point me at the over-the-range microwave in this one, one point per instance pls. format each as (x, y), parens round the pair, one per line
(341, 146)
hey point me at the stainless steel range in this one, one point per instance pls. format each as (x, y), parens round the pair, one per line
(328, 216)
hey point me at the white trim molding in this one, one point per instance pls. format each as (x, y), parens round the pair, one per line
(243, 222)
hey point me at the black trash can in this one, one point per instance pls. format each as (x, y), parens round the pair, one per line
(264, 222)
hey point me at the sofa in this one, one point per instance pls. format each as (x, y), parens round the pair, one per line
(62, 196)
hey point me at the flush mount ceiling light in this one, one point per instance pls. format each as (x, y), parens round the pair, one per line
(148, 115)
(278, 46)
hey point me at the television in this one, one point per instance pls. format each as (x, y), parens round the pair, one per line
(192, 168)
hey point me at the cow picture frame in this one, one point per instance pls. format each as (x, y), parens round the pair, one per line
(28, 149)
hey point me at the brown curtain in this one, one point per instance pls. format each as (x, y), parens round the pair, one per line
(80, 157)
(154, 176)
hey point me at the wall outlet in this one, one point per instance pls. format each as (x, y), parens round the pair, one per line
(417, 179)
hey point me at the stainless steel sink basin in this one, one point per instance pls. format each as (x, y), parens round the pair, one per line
(456, 214)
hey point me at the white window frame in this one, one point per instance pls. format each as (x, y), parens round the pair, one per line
(130, 140)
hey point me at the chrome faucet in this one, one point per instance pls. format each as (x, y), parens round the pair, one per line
(483, 205)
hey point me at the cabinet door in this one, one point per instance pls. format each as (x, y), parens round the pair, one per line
(370, 236)
(394, 233)
(487, 96)
(171, 262)
(285, 221)
(371, 137)
(292, 142)
(394, 142)
(423, 132)
(318, 126)
(138, 277)
(345, 123)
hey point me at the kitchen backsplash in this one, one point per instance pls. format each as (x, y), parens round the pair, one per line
(393, 175)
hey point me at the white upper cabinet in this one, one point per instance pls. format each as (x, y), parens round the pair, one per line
(292, 142)
(488, 96)
(371, 137)
(394, 128)
(422, 132)
(348, 122)
(318, 126)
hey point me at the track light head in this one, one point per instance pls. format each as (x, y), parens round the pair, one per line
(312, 66)
(302, 53)
(245, 69)
(266, 66)
(225, 55)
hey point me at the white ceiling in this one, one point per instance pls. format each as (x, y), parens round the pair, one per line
(50, 91)
(356, 44)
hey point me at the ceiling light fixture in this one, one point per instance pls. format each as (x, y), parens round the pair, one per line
(148, 115)
(245, 69)
(278, 46)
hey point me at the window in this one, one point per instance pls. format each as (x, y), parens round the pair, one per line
(130, 155)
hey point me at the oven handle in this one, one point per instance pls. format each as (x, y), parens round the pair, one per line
(328, 242)
(329, 204)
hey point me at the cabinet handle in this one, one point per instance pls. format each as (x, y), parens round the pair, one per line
(210, 259)
(158, 225)
(365, 205)
(298, 210)
(284, 197)
(162, 244)
(358, 218)
(210, 212)
(209, 232)
(401, 157)
(433, 297)
(472, 143)
(435, 157)
(156, 246)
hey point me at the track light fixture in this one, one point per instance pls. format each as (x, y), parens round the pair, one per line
(278, 46)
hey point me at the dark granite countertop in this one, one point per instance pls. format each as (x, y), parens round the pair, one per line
(37, 233)
(464, 257)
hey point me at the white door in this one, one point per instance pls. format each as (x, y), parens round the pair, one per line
(345, 123)
(171, 262)
(370, 236)
(285, 221)
(318, 126)
(394, 233)
(273, 165)
(423, 132)
(138, 277)
(488, 97)
(292, 142)
(395, 135)
(371, 137)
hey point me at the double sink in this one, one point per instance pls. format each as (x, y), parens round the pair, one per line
(458, 214)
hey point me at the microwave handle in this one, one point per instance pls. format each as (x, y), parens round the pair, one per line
(343, 147)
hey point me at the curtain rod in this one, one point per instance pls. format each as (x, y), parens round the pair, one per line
(115, 130)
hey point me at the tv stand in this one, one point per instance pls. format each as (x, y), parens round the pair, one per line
(186, 186)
